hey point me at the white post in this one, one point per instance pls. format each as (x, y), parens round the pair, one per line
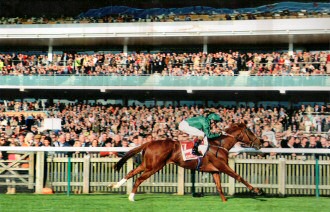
(205, 48)
(281, 176)
(231, 181)
(180, 181)
(125, 49)
(40, 165)
(50, 53)
(129, 185)
(86, 174)
(31, 170)
(291, 48)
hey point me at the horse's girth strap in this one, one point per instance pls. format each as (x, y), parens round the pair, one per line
(220, 147)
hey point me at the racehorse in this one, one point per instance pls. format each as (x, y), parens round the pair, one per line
(156, 154)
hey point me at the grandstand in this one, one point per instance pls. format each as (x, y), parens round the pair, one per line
(285, 36)
(46, 78)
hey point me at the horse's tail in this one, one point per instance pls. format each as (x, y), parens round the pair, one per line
(128, 155)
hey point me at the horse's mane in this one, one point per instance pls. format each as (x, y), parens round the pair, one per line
(233, 127)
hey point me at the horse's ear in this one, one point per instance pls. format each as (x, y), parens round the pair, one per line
(241, 125)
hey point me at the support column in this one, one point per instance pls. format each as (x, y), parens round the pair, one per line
(50, 53)
(291, 48)
(205, 48)
(125, 49)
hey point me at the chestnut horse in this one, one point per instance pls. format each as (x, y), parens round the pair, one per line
(157, 154)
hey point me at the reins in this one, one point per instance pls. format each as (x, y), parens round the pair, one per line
(236, 138)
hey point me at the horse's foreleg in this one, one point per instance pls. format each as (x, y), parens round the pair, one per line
(145, 175)
(128, 176)
(217, 181)
(226, 169)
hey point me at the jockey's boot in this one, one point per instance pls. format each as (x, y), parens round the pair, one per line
(197, 141)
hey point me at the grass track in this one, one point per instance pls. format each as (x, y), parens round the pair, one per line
(157, 202)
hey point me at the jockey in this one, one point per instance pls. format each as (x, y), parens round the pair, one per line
(199, 126)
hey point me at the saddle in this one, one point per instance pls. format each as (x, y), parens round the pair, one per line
(187, 146)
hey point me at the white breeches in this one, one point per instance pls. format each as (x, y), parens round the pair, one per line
(184, 127)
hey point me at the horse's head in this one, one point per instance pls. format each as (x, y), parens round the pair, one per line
(246, 136)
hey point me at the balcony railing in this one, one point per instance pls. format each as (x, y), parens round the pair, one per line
(168, 82)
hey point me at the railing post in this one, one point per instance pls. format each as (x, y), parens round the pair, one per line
(87, 168)
(180, 181)
(129, 183)
(317, 176)
(281, 176)
(231, 181)
(40, 165)
(31, 170)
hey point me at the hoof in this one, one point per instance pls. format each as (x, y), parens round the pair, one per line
(131, 197)
(112, 186)
(259, 192)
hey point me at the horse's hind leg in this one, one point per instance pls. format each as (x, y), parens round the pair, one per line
(217, 181)
(226, 169)
(145, 175)
(128, 176)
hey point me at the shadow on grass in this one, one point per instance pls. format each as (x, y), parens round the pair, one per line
(250, 195)
(257, 198)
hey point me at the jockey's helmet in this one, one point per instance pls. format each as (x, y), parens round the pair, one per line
(214, 116)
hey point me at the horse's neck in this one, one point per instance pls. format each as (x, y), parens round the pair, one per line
(225, 141)
(229, 142)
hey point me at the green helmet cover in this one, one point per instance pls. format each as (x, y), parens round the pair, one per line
(214, 117)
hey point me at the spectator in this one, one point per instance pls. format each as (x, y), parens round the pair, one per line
(68, 139)
(266, 144)
(3, 154)
(61, 141)
(124, 143)
(324, 143)
(297, 142)
(47, 142)
(270, 135)
(304, 142)
(108, 154)
(313, 143)
(37, 140)
(29, 140)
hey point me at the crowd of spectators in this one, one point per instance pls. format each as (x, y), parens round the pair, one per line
(167, 64)
(85, 125)
(126, 18)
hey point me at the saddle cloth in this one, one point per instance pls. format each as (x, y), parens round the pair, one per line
(187, 146)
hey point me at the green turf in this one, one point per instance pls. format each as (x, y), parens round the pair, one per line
(158, 202)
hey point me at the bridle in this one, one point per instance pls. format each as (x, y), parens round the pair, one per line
(246, 130)
(238, 138)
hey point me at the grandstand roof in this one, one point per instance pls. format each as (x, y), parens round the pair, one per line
(71, 8)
